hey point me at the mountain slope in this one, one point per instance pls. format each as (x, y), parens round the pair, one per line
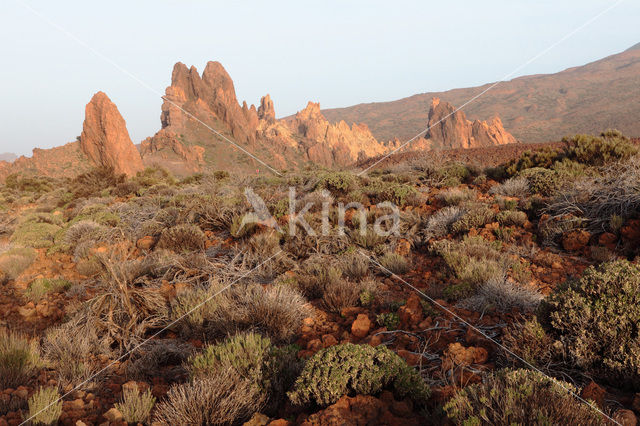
(537, 108)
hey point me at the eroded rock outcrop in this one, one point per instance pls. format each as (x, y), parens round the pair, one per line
(167, 151)
(333, 144)
(105, 139)
(449, 128)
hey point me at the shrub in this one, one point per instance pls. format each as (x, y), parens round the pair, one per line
(597, 151)
(340, 294)
(369, 239)
(220, 399)
(33, 184)
(389, 320)
(359, 369)
(124, 308)
(14, 261)
(36, 235)
(511, 218)
(456, 196)
(19, 359)
(135, 406)
(544, 158)
(513, 187)
(475, 217)
(70, 350)
(182, 238)
(440, 223)
(529, 341)
(43, 286)
(94, 182)
(395, 263)
(45, 406)
(541, 181)
(597, 319)
(510, 397)
(597, 200)
(398, 194)
(355, 266)
(503, 295)
(474, 261)
(338, 183)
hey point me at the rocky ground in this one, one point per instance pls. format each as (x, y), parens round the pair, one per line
(419, 296)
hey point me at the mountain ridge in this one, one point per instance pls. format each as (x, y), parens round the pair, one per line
(535, 108)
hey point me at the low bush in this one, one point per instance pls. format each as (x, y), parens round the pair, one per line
(36, 235)
(338, 183)
(511, 218)
(220, 399)
(597, 151)
(94, 182)
(15, 260)
(19, 359)
(529, 341)
(182, 238)
(393, 263)
(510, 397)
(504, 295)
(45, 406)
(456, 196)
(541, 181)
(474, 217)
(597, 317)
(359, 369)
(440, 223)
(43, 286)
(135, 406)
(513, 187)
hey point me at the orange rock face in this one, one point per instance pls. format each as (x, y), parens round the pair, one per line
(449, 128)
(105, 139)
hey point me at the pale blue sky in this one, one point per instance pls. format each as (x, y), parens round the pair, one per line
(336, 52)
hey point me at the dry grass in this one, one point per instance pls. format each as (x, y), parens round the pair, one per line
(135, 406)
(440, 223)
(19, 359)
(504, 295)
(513, 187)
(45, 406)
(220, 399)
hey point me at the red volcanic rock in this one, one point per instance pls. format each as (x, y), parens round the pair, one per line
(449, 128)
(575, 240)
(594, 392)
(361, 326)
(105, 139)
(166, 149)
(266, 110)
(331, 144)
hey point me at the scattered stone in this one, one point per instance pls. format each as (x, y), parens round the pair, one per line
(625, 417)
(595, 393)
(113, 415)
(575, 240)
(361, 326)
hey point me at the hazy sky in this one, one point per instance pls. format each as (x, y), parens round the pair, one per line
(336, 52)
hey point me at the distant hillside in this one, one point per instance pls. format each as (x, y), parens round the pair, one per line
(587, 99)
(8, 156)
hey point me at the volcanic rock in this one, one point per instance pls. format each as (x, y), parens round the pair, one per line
(105, 139)
(449, 128)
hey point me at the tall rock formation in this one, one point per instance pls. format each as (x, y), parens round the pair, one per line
(333, 144)
(105, 139)
(449, 128)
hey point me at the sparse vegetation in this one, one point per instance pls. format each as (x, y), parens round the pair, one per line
(520, 397)
(19, 359)
(45, 406)
(135, 406)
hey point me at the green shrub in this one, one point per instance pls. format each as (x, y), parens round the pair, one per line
(359, 369)
(544, 158)
(43, 286)
(597, 317)
(14, 261)
(36, 235)
(182, 238)
(398, 194)
(135, 406)
(94, 182)
(19, 359)
(338, 183)
(541, 181)
(597, 151)
(520, 397)
(252, 357)
(45, 406)
(475, 217)
(33, 184)
(389, 320)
